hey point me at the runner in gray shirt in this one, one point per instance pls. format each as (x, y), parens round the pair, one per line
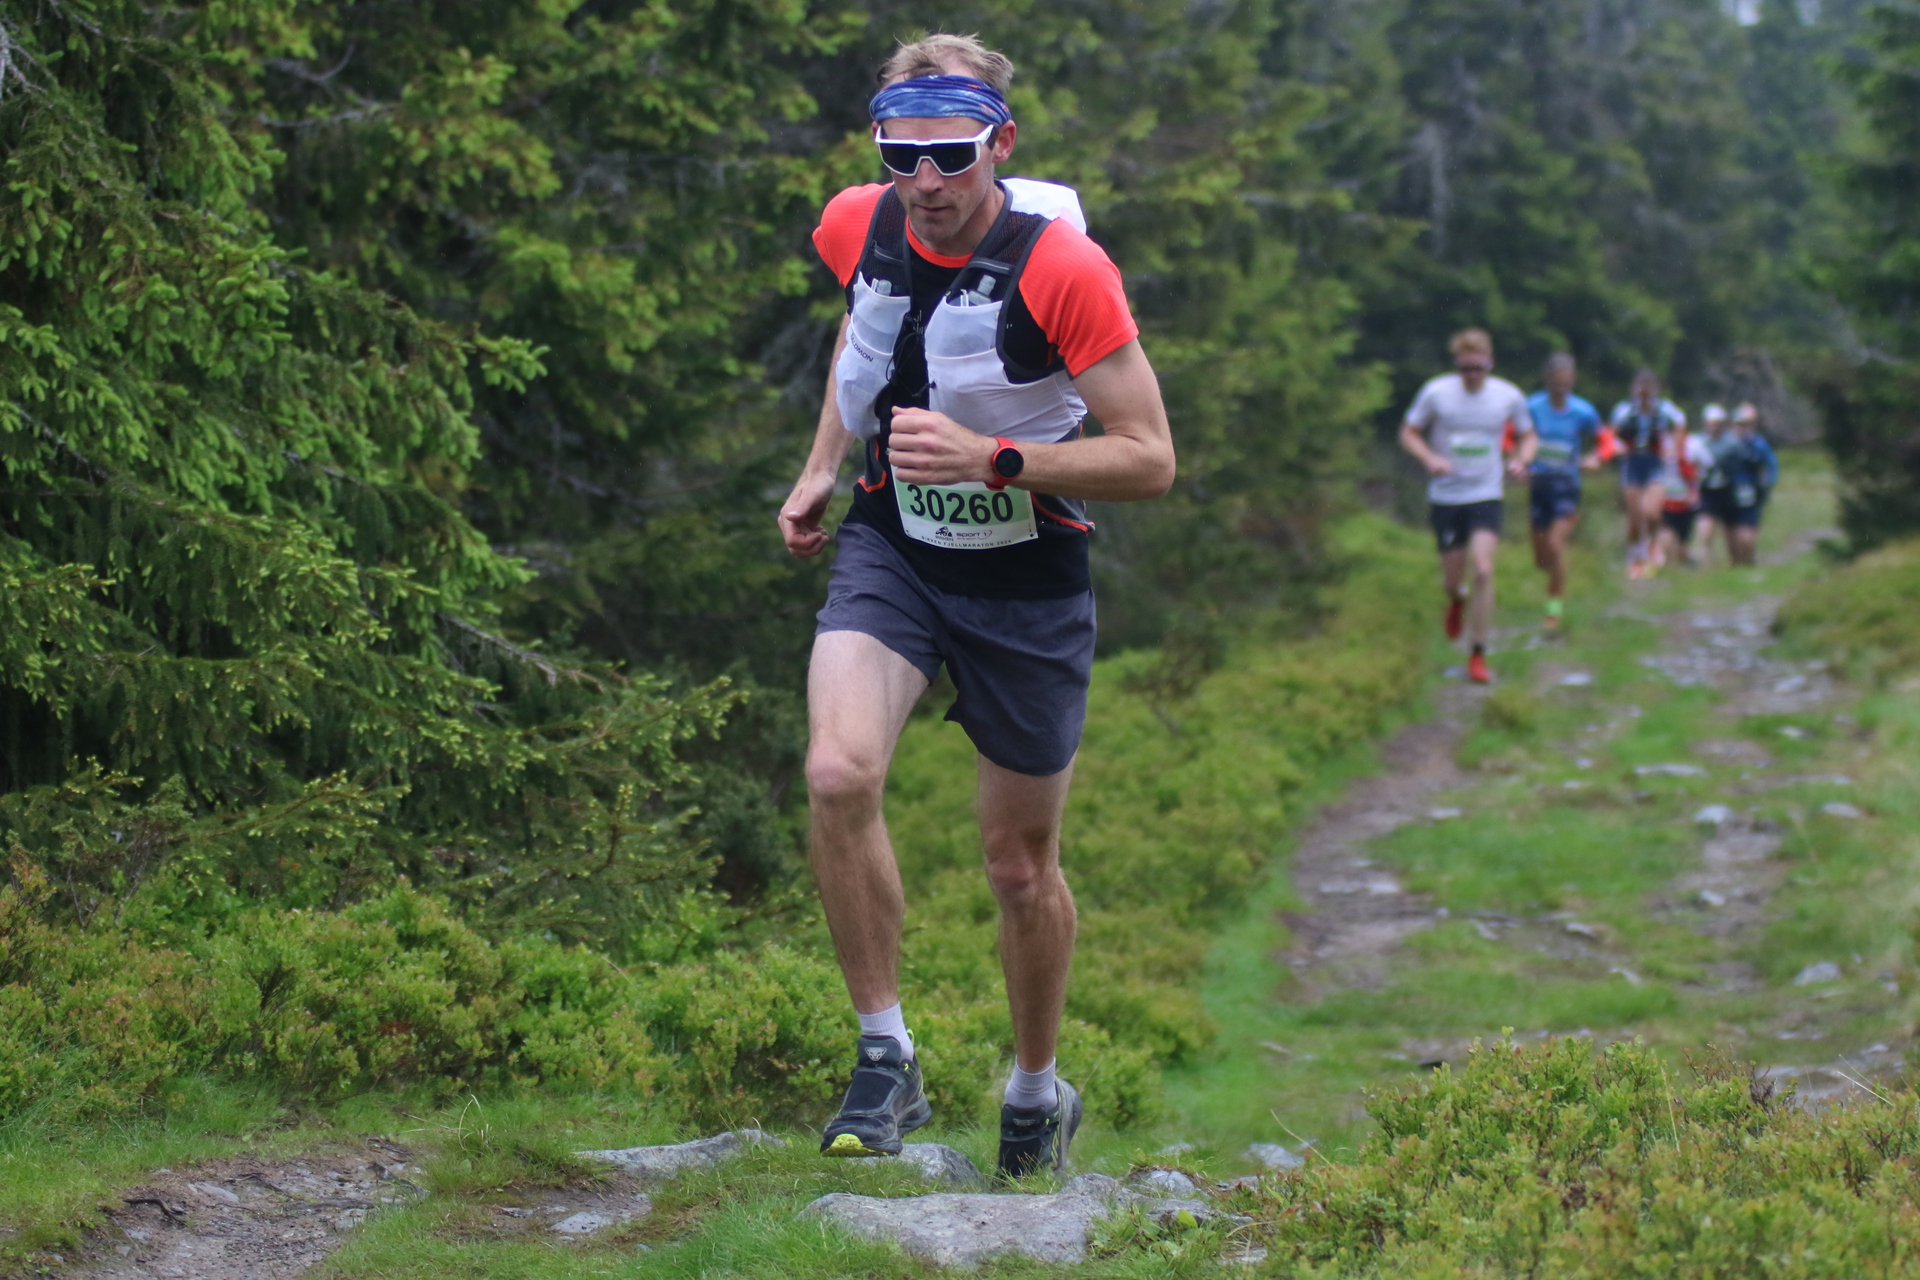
(1456, 428)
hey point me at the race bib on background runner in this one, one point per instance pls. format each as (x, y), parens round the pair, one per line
(965, 517)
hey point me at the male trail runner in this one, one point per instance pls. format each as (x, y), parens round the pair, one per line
(1643, 422)
(1747, 469)
(1714, 423)
(982, 326)
(1455, 428)
(1569, 432)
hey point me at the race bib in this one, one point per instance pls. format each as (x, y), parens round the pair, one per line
(1554, 451)
(966, 516)
(1744, 495)
(1474, 446)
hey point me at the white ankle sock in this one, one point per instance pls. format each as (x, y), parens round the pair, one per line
(888, 1022)
(1028, 1089)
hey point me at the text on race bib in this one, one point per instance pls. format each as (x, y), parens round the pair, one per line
(966, 516)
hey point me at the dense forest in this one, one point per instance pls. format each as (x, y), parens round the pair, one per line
(394, 398)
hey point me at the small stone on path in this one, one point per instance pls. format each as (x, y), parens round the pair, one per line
(213, 1192)
(1170, 1181)
(1825, 971)
(1712, 899)
(961, 1230)
(1575, 679)
(1271, 1155)
(1841, 809)
(1713, 815)
(1792, 731)
(940, 1163)
(1442, 815)
(1669, 771)
(667, 1161)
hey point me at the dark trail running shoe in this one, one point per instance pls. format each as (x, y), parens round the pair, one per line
(883, 1104)
(1035, 1138)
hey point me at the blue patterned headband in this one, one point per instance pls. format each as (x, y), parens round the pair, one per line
(930, 96)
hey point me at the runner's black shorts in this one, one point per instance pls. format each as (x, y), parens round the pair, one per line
(1021, 666)
(1681, 522)
(1454, 523)
(1720, 505)
(1638, 470)
(1553, 495)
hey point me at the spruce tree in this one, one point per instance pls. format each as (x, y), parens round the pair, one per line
(248, 640)
(1872, 410)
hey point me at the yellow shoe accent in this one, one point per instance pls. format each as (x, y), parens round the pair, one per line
(848, 1145)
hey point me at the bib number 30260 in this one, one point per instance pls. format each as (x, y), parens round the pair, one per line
(966, 516)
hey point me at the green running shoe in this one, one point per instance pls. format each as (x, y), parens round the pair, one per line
(883, 1104)
(1035, 1138)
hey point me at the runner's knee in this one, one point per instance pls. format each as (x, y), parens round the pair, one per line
(842, 779)
(1016, 881)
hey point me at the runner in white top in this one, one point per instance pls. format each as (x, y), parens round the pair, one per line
(1455, 428)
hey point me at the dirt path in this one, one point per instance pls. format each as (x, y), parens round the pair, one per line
(1357, 914)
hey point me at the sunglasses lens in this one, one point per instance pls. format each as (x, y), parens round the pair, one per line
(950, 158)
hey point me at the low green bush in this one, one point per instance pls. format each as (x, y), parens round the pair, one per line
(1865, 615)
(1557, 1160)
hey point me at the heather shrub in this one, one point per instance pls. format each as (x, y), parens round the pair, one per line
(1863, 614)
(1562, 1160)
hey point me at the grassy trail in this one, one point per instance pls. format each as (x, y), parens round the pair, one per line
(1501, 862)
(1557, 881)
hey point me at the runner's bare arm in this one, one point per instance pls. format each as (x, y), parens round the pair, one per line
(801, 513)
(1132, 461)
(1414, 441)
(1524, 455)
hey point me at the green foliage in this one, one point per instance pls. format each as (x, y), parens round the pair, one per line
(1869, 401)
(1560, 1160)
(1863, 614)
(249, 634)
(391, 991)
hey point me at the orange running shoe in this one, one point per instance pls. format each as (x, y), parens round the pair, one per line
(1477, 669)
(1456, 617)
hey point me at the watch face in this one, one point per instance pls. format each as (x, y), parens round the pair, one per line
(1008, 462)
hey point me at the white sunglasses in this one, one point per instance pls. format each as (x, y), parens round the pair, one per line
(951, 156)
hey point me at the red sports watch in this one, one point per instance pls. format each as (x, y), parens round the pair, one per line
(1008, 463)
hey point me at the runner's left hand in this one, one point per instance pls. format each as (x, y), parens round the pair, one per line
(1517, 469)
(931, 448)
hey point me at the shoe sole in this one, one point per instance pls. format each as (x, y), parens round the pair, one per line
(853, 1146)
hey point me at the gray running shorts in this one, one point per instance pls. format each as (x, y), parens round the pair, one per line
(1021, 666)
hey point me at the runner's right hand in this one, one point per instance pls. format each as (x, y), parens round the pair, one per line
(1439, 466)
(801, 513)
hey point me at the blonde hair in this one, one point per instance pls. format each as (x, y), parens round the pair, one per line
(1477, 340)
(939, 53)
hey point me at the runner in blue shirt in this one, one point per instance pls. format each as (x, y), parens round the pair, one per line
(1569, 431)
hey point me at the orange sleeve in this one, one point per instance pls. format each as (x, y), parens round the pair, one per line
(1074, 292)
(1607, 444)
(842, 232)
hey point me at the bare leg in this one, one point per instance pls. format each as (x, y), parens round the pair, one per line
(1709, 530)
(1550, 553)
(859, 693)
(1020, 835)
(1741, 541)
(1652, 498)
(1634, 498)
(1480, 604)
(1453, 571)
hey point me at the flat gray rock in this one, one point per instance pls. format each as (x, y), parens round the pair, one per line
(664, 1162)
(940, 1163)
(1271, 1155)
(959, 1230)
(1170, 1182)
(1669, 771)
(1825, 971)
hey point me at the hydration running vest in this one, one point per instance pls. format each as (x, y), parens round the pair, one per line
(957, 361)
(969, 376)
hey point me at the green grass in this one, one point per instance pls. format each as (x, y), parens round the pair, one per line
(1603, 853)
